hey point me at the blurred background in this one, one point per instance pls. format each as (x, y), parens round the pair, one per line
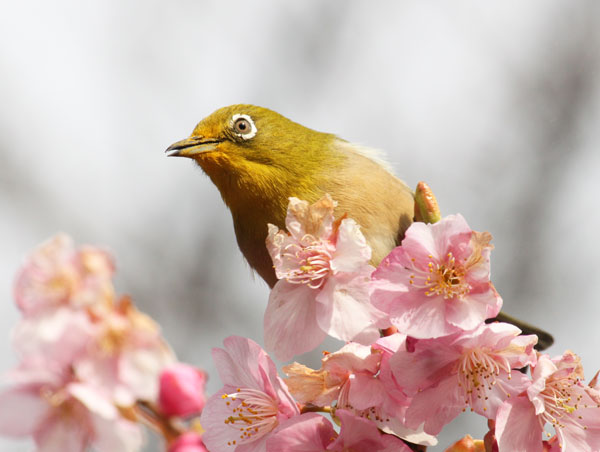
(495, 105)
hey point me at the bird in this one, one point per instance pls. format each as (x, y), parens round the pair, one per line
(258, 159)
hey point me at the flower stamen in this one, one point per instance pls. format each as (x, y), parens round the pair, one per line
(446, 278)
(254, 414)
(478, 373)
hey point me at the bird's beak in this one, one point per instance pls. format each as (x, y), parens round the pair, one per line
(191, 147)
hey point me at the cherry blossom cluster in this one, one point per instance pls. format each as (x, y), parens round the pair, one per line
(437, 357)
(92, 367)
(419, 349)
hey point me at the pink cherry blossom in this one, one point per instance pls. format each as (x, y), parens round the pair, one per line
(557, 397)
(188, 442)
(181, 390)
(252, 402)
(351, 376)
(64, 414)
(61, 335)
(58, 274)
(438, 281)
(311, 432)
(338, 371)
(469, 369)
(126, 356)
(323, 270)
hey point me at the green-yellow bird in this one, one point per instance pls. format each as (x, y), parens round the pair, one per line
(258, 159)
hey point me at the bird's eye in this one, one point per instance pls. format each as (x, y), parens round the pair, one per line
(243, 126)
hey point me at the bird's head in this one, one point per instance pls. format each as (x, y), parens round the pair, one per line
(249, 149)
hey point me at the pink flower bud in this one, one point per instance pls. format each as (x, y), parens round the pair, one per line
(181, 390)
(188, 442)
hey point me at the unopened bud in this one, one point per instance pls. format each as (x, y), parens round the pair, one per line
(181, 390)
(426, 206)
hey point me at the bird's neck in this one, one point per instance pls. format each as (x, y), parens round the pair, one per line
(258, 193)
(261, 198)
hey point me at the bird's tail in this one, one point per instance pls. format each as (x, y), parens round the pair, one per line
(545, 339)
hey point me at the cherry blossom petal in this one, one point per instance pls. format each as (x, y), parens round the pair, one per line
(419, 240)
(572, 436)
(469, 313)
(139, 369)
(93, 399)
(314, 219)
(581, 431)
(103, 371)
(60, 335)
(116, 435)
(415, 371)
(240, 362)
(435, 407)
(365, 391)
(351, 249)
(392, 444)
(422, 318)
(520, 351)
(277, 241)
(385, 291)
(290, 322)
(311, 386)
(361, 435)
(352, 357)
(517, 426)
(65, 434)
(452, 232)
(309, 432)
(344, 310)
(22, 410)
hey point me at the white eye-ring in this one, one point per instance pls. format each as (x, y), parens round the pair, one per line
(243, 126)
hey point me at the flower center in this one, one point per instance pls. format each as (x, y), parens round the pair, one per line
(308, 262)
(560, 399)
(446, 279)
(477, 374)
(254, 414)
(113, 339)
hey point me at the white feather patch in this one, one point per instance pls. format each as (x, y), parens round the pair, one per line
(376, 155)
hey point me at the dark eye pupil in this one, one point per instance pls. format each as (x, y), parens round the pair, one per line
(242, 125)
